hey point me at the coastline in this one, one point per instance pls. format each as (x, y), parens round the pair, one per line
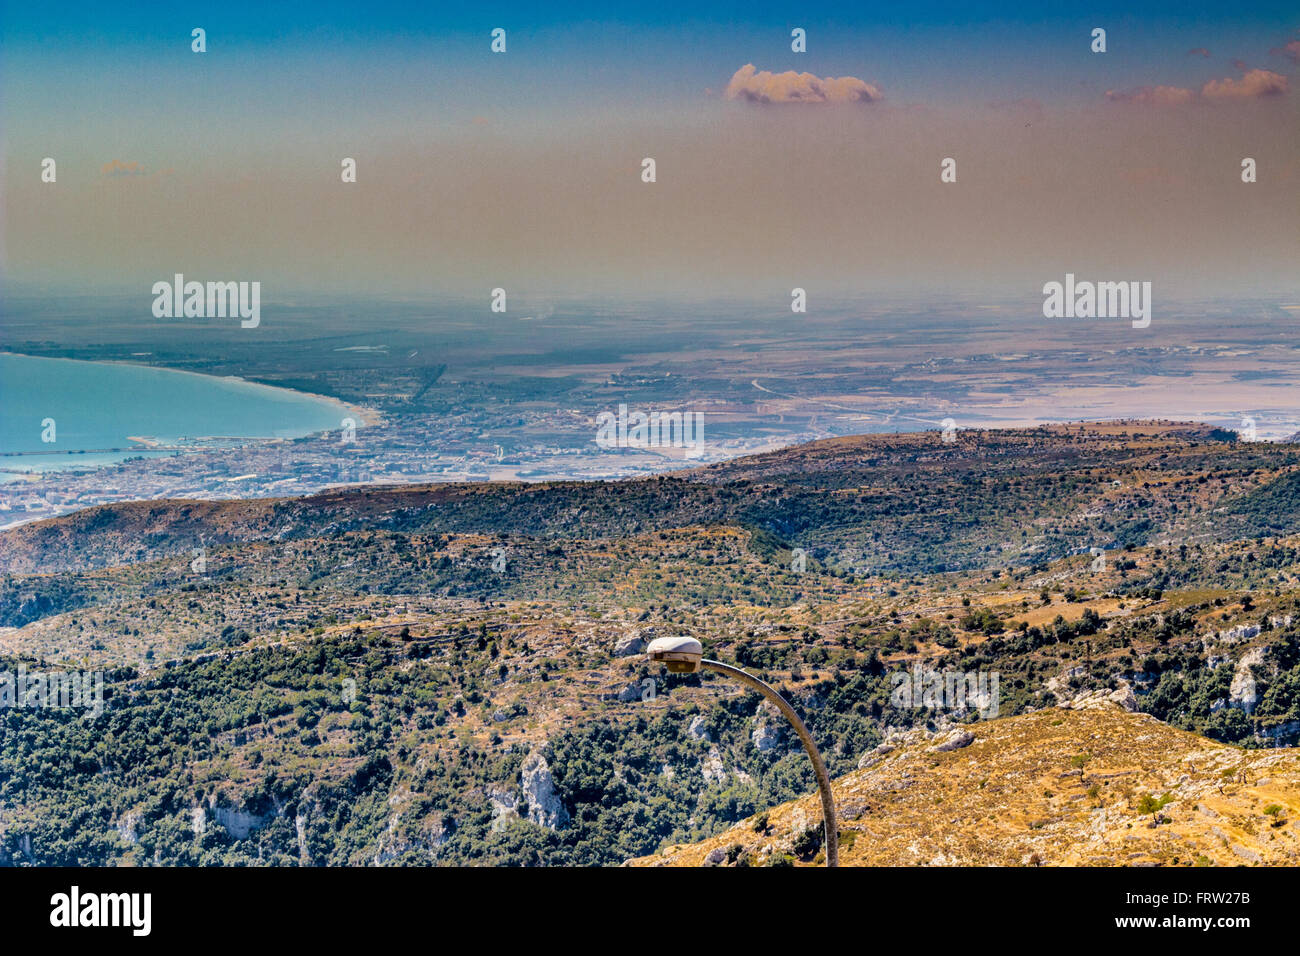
(366, 417)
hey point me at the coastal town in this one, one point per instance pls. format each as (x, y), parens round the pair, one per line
(401, 450)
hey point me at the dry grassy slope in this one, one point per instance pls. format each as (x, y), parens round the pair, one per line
(1017, 790)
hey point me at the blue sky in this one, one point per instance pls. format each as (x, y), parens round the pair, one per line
(474, 164)
(922, 49)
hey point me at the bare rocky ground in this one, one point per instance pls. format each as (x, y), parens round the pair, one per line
(1087, 786)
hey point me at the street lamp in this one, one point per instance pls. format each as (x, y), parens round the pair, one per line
(685, 655)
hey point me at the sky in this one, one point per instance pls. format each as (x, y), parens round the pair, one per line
(774, 169)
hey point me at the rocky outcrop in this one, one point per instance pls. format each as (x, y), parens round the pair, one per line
(237, 823)
(308, 812)
(955, 740)
(128, 827)
(874, 757)
(1121, 697)
(544, 806)
(711, 767)
(397, 840)
(390, 848)
(1286, 732)
(629, 647)
(1242, 692)
(1242, 632)
(768, 725)
(503, 807)
(766, 735)
(698, 729)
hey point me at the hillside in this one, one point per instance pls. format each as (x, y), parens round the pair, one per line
(453, 674)
(907, 502)
(1094, 786)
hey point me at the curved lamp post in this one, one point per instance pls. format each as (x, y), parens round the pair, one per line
(685, 655)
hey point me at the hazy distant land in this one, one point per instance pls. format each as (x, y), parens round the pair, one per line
(454, 392)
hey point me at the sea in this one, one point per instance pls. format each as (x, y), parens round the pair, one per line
(89, 408)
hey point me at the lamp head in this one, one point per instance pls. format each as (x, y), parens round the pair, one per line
(681, 655)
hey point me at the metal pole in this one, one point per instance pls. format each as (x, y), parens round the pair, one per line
(819, 768)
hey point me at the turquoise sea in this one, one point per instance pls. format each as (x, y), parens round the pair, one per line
(99, 405)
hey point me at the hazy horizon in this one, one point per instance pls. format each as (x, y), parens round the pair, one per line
(522, 170)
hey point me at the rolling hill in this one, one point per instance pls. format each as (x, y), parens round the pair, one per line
(452, 674)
